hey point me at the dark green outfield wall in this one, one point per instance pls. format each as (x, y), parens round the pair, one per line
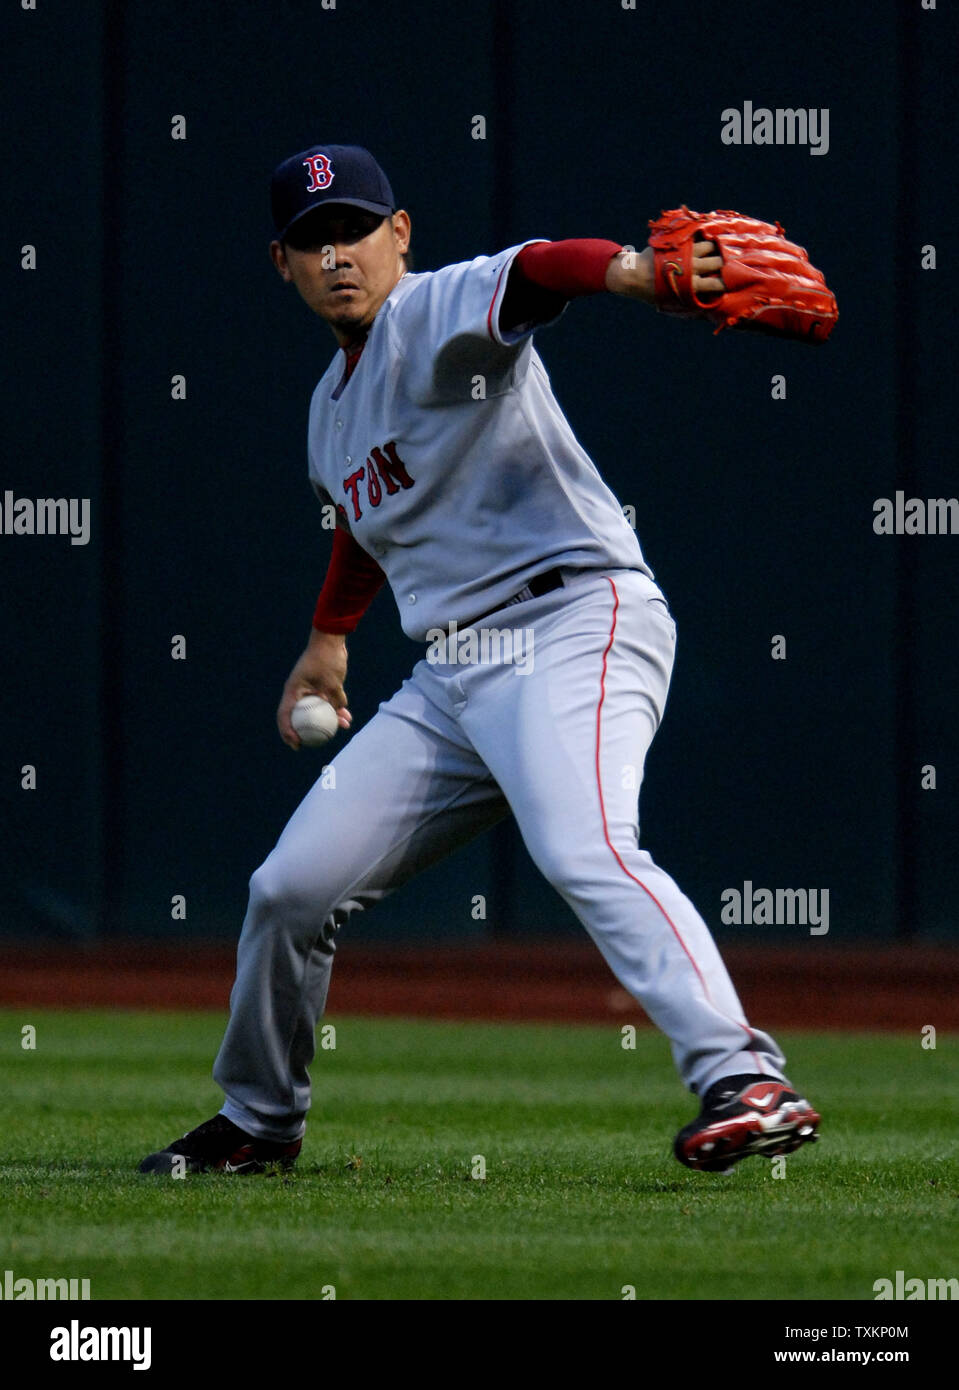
(158, 777)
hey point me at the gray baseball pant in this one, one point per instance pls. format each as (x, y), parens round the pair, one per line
(558, 736)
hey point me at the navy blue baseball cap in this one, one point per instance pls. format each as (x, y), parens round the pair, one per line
(327, 174)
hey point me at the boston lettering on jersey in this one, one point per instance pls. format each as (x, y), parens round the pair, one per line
(383, 469)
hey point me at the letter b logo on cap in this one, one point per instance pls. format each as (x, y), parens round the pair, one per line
(321, 172)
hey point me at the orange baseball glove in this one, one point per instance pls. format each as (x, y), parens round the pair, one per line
(771, 287)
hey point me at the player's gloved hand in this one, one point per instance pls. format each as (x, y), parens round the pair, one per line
(321, 670)
(766, 283)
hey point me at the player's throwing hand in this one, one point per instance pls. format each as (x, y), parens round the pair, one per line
(321, 670)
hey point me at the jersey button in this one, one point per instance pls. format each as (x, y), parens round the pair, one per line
(411, 598)
(349, 458)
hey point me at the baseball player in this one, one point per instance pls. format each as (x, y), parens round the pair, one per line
(456, 478)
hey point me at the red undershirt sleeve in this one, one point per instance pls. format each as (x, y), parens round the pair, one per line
(353, 579)
(547, 273)
(568, 267)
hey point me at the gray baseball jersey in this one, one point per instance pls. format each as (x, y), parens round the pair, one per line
(450, 459)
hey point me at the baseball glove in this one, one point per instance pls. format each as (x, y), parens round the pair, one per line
(770, 285)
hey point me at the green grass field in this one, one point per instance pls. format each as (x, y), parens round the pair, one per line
(581, 1194)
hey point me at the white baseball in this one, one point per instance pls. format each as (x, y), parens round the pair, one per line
(314, 720)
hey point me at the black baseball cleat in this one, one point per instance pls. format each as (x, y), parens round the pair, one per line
(220, 1144)
(745, 1115)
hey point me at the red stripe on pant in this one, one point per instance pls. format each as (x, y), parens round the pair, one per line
(615, 852)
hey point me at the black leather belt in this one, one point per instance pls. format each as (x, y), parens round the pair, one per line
(540, 584)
